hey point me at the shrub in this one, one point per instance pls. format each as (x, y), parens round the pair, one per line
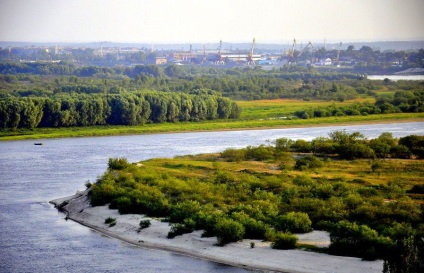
(234, 155)
(400, 151)
(302, 146)
(260, 153)
(284, 240)
(308, 162)
(118, 163)
(350, 239)
(297, 222)
(253, 229)
(355, 150)
(414, 143)
(178, 229)
(144, 224)
(228, 230)
(283, 145)
(285, 160)
(110, 221)
(183, 210)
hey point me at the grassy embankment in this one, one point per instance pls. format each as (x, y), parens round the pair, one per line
(256, 115)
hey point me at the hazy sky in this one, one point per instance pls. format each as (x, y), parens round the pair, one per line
(210, 21)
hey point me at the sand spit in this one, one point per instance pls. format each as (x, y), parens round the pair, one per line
(240, 254)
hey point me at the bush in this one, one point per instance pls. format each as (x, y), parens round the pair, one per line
(118, 163)
(260, 153)
(355, 150)
(110, 221)
(414, 143)
(234, 155)
(144, 224)
(308, 162)
(283, 145)
(297, 222)
(178, 229)
(183, 210)
(400, 151)
(284, 240)
(253, 229)
(302, 146)
(350, 239)
(228, 230)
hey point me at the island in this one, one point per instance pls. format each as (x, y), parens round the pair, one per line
(341, 203)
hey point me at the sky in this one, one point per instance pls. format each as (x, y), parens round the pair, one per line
(202, 21)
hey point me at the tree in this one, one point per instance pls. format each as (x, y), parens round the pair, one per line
(414, 143)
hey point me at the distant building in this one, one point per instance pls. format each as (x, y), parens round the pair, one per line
(156, 60)
(324, 62)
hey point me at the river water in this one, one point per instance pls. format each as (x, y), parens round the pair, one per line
(397, 77)
(34, 237)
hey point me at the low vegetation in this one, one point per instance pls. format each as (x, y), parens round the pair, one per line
(110, 221)
(368, 199)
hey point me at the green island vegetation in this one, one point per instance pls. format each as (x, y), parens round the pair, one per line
(368, 194)
(41, 100)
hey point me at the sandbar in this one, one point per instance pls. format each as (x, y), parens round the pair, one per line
(262, 257)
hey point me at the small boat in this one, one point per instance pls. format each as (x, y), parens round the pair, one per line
(38, 143)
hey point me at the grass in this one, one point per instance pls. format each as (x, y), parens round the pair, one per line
(260, 114)
(403, 172)
(286, 107)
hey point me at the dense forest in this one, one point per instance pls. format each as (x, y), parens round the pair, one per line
(371, 207)
(242, 83)
(136, 108)
(66, 95)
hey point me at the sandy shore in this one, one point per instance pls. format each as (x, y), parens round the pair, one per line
(261, 257)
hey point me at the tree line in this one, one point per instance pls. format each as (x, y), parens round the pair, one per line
(134, 108)
(38, 79)
(402, 102)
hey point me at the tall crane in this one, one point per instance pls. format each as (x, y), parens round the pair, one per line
(338, 52)
(220, 59)
(290, 52)
(303, 50)
(250, 60)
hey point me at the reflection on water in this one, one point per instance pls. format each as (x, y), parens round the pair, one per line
(35, 237)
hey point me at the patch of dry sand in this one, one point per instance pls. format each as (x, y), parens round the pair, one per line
(239, 254)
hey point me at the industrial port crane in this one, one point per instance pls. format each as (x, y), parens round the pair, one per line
(303, 50)
(338, 52)
(220, 59)
(250, 60)
(290, 52)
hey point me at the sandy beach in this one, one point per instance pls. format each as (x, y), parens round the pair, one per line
(240, 254)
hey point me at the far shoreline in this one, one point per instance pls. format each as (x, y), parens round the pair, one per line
(101, 131)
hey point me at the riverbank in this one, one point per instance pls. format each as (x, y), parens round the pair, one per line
(240, 254)
(204, 126)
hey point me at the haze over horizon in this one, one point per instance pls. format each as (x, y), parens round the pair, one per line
(201, 21)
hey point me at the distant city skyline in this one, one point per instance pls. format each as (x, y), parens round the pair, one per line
(201, 21)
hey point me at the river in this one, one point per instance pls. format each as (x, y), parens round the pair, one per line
(397, 77)
(35, 237)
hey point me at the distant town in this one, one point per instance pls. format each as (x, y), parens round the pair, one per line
(382, 54)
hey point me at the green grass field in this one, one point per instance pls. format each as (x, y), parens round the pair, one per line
(286, 107)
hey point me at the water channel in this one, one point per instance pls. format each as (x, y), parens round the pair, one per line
(34, 237)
